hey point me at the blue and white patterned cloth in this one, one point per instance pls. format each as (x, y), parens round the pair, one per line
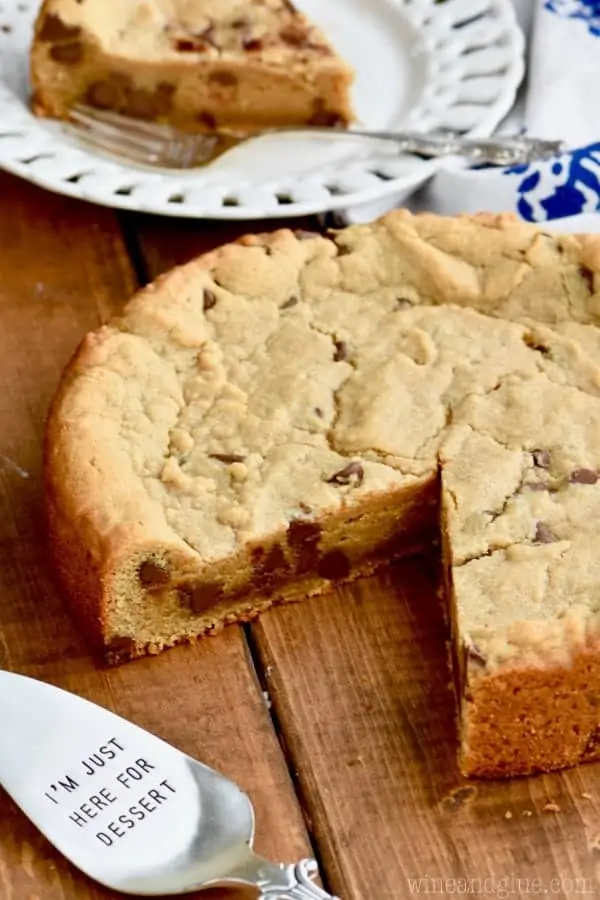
(586, 10)
(562, 101)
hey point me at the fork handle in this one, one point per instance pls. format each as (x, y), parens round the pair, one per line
(497, 150)
(279, 882)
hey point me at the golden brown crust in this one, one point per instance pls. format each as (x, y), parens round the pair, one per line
(79, 570)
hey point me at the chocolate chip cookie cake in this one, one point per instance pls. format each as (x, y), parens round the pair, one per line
(291, 411)
(199, 65)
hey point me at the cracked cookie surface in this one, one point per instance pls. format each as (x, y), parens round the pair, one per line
(266, 416)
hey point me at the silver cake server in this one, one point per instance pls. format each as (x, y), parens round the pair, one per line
(129, 810)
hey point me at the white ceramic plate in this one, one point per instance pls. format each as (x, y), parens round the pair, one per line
(420, 64)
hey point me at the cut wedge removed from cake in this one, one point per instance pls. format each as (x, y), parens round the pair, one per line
(289, 412)
(199, 65)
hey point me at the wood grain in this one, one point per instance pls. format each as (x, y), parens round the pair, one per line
(64, 269)
(161, 243)
(360, 687)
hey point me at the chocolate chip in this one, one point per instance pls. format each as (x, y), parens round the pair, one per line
(200, 597)
(227, 458)
(306, 235)
(193, 42)
(207, 119)
(353, 470)
(303, 540)
(222, 77)
(334, 565)
(592, 747)
(271, 568)
(275, 558)
(289, 303)
(531, 342)
(588, 277)
(543, 535)
(476, 655)
(54, 29)
(540, 348)
(153, 574)
(70, 53)
(109, 94)
(185, 45)
(252, 44)
(191, 45)
(583, 476)
(319, 412)
(209, 300)
(326, 118)
(341, 351)
(120, 643)
(294, 34)
(541, 459)
(119, 649)
(301, 532)
(103, 95)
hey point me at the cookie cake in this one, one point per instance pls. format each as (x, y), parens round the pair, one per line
(292, 411)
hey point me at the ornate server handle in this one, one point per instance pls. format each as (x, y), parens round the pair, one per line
(287, 882)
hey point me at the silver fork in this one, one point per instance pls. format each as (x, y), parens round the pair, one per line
(129, 810)
(156, 145)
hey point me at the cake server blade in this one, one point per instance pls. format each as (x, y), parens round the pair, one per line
(129, 810)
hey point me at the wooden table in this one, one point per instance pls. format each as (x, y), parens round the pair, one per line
(335, 715)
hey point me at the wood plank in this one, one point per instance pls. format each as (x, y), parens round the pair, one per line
(63, 269)
(361, 694)
(164, 243)
(372, 737)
